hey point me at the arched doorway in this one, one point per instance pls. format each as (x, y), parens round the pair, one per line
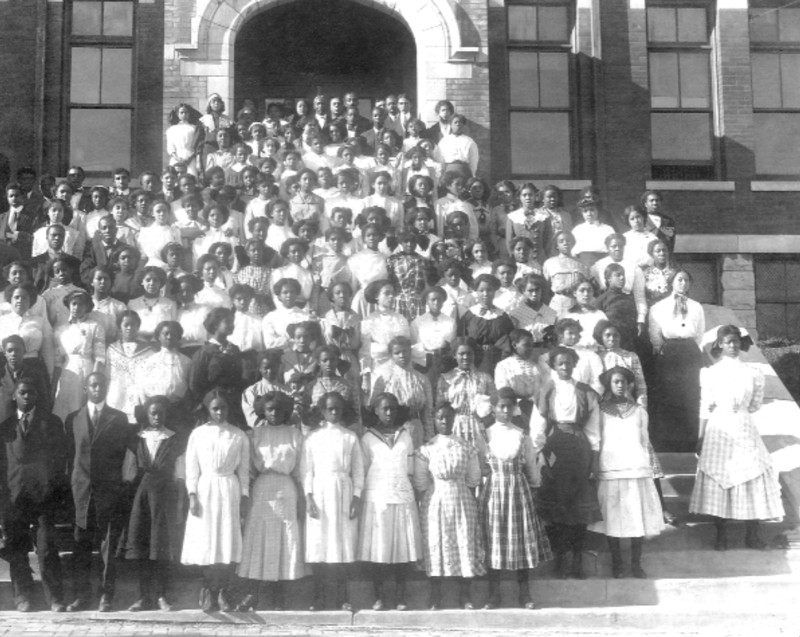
(330, 46)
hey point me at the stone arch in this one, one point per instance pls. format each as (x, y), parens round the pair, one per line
(204, 64)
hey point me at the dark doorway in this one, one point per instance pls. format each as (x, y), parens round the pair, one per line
(331, 46)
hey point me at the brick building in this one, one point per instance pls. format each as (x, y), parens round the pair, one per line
(697, 98)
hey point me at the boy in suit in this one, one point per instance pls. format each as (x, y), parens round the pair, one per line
(100, 438)
(34, 459)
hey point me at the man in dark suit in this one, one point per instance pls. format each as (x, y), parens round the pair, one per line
(100, 437)
(34, 456)
(372, 137)
(99, 250)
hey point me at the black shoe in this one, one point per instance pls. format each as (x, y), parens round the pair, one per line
(58, 607)
(752, 537)
(208, 601)
(140, 605)
(105, 604)
(347, 606)
(247, 604)
(637, 571)
(24, 605)
(318, 603)
(78, 605)
(163, 604)
(224, 603)
(577, 567)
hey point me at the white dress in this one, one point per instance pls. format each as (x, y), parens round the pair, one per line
(628, 497)
(218, 471)
(247, 332)
(390, 531)
(333, 472)
(80, 346)
(165, 373)
(152, 312)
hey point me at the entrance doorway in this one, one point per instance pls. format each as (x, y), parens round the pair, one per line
(306, 47)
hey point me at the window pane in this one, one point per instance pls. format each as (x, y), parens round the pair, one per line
(704, 278)
(116, 76)
(523, 69)
(692, 25)
(521, 23)
(118, 18)
(777, 138)
(86, 17)
(681, 137)
(661, 25)
(770, 276)
(695, 82)
(664, 80)
(790, 80)
(85, 76)
(766, 80)
(553, 24)
(789, 25)
(771, 319)
(100, 139)
(763, 25)
(540, 144)
(554, 80)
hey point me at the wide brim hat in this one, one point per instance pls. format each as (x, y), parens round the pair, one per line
(79, 294)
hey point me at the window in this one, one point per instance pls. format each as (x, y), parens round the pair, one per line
(101, 84)
(705, 276)
(680, 92)
(540, 89)
(775, 60)
(777, 296)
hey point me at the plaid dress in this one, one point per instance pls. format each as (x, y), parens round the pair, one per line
(461, 389)
(514, 535)
(735, 477)
(447, 469)
(408, 272)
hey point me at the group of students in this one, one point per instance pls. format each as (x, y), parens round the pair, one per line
(438, 381)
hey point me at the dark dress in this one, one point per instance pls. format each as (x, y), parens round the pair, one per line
(217, 367)
(620, 308)
(491, 335)
(154, 529)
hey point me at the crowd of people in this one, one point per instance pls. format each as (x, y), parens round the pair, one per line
(318, 338)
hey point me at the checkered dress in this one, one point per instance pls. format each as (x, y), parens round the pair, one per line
(514, 535)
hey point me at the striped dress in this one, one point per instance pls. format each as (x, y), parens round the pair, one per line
(514, 535)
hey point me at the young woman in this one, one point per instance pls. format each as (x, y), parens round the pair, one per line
(124, 359)
(431, 335)
(447, 470)
(659, 274)
(564, 272)
(488, 326)
(735, 476)
(151, 306)
(218, 483)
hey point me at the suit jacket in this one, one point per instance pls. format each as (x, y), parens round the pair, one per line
(31, 368)
(35, 462)
(97, 460)
(26, 225)
(94, 254)
(370, 139)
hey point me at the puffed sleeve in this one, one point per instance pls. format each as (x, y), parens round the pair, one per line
(357, 471)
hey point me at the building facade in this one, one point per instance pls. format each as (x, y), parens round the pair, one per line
(699, 99)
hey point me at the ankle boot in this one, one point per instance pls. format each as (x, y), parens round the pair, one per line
(525, 600)
(378, 604)
(721, 543)
(465, 594)
(577, 553)
(752, 536)
(400, 596)
(494, 590)
(636, 558)
(435, 599)
(616, 557)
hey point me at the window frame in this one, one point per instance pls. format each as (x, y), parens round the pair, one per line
(779, 48)
(103, 42)
(547, 46)
(678, 47)
(763, 299)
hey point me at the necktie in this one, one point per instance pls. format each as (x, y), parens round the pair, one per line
(25, 423)
(681, 307)
(92, 420)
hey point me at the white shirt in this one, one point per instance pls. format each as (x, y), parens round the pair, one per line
(666, 324)
(454, 148)
(94, 410)
(590, 237)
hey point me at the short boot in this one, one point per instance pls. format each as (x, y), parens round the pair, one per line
(752, 536)
(465, 594)
(616, 557)
(435, 599)
(525, 600)
(494, 590)
(721, 543)
(577, 553)
(636, 558)
(379, 603)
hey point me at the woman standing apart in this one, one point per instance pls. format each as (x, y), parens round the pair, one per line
(735, 477)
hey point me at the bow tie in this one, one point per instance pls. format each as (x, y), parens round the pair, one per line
(483, 311)
(681, 307)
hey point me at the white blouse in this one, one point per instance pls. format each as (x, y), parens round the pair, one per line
(665, 323)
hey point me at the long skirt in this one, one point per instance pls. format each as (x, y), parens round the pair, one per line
(630, 508)
(332, 537)
(756, 499)
(215, 536)
(453, 541)
(514, 535)
(567, 495)
(390, 533)
(674, 401)
(272, 547)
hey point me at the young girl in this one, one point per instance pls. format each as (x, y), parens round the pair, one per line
(532, 314)
(126, 277)
(183, 136)
(478, 198)
(508, 296)
(327, 185)
(293, 251)
(123, 361)
(151, 307)
(585, 312)
(223, 252)
(62, 273)
(659, 274)
(257, 207)
(479, 252)
(552, 208)
(447, 470)
(329, 365)
(272, 543)
(217, 216)
(628, 499)
(246, 326)
(616, 244)
(210, 295)
(389, 535)
(379, 328)
(333, 479)
(347, 181)
(506, 196)
(564, 272)
(218, 483)
(107, 310)
(525, 222)
(382, 197)
(408, 271)
(81, 350)
(419, 221)
(431, 335)
(420, 188)
(459, 296)
(455, 185)
(341, 327)
(305, 204)
(299, 357)
(590, 236)
(566, 427)
(280, 229)
(154, 515)
(142, 202)
(275, 324)
(619, 306)
(367, 265)
(515, 537)
(154, 237)
(486, 324)
(521, 373)
(638, 238)
(256, 274)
